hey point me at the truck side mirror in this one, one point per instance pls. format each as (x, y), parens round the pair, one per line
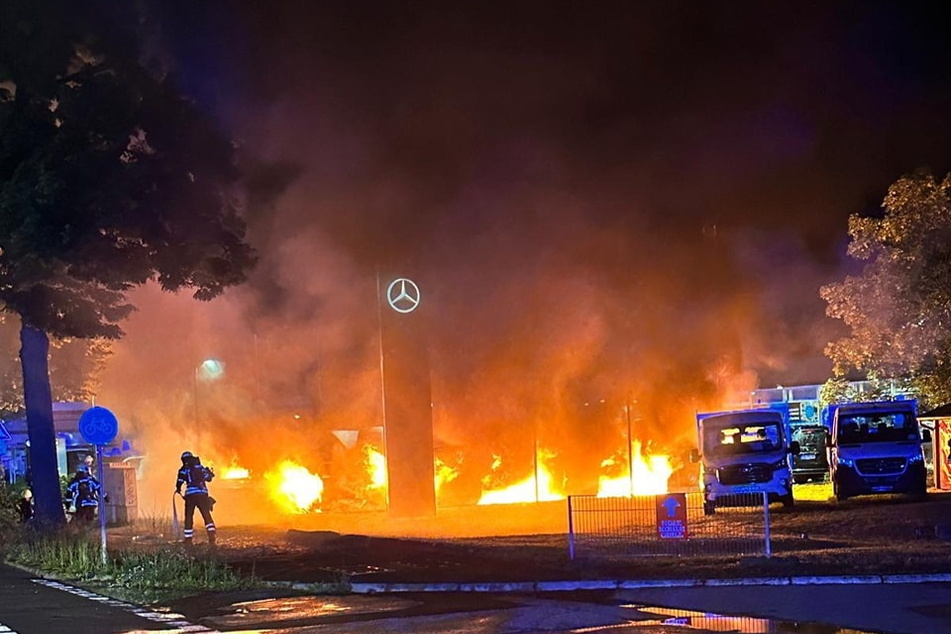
(794, 448)
(925, 435)
(694, 455)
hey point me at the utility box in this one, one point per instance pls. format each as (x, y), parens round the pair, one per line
(119, 483)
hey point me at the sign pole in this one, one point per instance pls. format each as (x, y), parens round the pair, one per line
(99, 427)
(102, 507)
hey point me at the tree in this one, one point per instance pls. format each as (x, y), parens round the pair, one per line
(899, 306)
(109, 178)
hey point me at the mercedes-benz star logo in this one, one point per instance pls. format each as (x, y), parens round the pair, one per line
(402, 295)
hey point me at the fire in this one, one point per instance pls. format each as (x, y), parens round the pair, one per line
(527, 490)
(235, 472)
(376, 467)
(443, 474)
(648, 476)
(295, 488)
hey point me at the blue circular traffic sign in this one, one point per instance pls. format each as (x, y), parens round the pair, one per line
(98, 425)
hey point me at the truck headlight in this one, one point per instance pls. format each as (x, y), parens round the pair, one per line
(916, 458)
(845, 462)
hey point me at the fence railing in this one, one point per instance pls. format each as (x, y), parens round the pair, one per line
(669, 524)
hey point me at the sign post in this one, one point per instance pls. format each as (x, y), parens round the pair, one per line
(671, 515)
(99, 427)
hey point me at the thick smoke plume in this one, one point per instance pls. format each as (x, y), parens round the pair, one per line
(605, 227)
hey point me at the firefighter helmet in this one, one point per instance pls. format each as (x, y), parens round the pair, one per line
(187, 455)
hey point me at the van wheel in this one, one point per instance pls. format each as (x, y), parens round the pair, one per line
(837, 491)
(788, 501)
(709, 508)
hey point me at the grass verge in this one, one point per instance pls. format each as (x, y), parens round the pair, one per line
(139, 576)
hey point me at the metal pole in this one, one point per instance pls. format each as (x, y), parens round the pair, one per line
(535, 457)
(769, 549)
(630, 447)
(102, 507)
(571, 532)
(379, 322)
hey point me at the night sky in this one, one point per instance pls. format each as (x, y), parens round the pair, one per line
(600, 200)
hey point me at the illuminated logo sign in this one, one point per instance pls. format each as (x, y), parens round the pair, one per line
(402, 295)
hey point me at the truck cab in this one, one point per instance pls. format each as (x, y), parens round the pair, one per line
(745, 451)
(876, 448)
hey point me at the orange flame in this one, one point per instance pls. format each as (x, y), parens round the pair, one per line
(294, 488)
(443, 474)
(527, 490)
(376, 467)
(648, 476)
(235, 472)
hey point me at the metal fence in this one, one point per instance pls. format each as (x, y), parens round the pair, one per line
(672, 524)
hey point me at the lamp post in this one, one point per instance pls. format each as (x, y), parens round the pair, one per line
(208, 370)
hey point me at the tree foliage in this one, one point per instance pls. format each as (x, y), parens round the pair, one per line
(108, 176)
(899, 306)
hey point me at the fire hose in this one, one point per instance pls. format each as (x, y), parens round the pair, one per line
(176, 526)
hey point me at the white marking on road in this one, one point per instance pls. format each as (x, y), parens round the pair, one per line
(6, 630)
(165, 618)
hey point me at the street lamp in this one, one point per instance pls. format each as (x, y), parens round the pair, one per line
(208, 370)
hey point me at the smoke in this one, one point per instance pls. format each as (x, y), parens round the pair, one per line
(605, 231)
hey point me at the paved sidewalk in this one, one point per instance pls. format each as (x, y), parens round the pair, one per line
(31, 605)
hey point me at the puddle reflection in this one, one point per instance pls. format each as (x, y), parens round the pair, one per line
(711, 622)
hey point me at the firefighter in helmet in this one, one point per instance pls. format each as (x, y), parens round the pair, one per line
(83, 490)
(195, 476)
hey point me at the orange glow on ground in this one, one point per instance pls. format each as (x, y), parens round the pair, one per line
(525, 490)
(649, 475)
(294, 488)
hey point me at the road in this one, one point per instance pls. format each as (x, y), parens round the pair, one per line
(35, 606)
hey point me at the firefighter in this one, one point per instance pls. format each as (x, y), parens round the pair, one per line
(83, 490)
(195, 476)
(25, 506)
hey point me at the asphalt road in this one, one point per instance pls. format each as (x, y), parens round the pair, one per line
(29, 605)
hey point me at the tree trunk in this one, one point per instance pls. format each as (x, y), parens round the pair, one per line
(44, 474)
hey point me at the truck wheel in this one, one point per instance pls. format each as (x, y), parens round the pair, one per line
(788, 501)
(837, 491)
(709, 508)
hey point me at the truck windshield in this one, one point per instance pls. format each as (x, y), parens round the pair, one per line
(878, 427)
(741, 439)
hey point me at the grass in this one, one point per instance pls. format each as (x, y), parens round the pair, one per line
(154, 575)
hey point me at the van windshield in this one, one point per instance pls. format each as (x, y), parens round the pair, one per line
(743, 439)
(878, 427)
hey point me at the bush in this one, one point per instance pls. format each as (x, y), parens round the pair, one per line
(10, 526)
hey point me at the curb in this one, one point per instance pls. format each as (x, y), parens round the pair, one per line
(634, 584)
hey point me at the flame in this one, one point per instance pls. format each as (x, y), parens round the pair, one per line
(376, 467)
(649, 475)
(443, 473)
(525, 490)
(235, 472)
(294, 487)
